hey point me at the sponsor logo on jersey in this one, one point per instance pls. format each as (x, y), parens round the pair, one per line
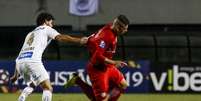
(25, 55)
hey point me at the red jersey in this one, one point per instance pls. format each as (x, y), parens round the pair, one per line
(102, 45)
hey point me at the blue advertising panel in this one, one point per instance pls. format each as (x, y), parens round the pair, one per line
(61, 71)
(137, 78)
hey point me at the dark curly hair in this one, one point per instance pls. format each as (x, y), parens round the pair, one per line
(42, 17)
(123, 19)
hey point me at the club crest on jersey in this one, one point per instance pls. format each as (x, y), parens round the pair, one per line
(102, 44)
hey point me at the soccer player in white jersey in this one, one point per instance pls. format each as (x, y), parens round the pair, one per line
(28, 62)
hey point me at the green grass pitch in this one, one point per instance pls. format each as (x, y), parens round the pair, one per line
(125, 97)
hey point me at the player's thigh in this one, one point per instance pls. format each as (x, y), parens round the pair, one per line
(38, 73)
(24, 71)
(117, 77)
(99, 81)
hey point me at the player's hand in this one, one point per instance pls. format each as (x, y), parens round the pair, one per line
(83, 40)
(120, 63)
(133, 64)
(13, 79)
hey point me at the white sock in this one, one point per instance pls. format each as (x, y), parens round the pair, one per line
(26, 92)
(47, 95)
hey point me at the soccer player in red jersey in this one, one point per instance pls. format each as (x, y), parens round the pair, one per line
(107, 81)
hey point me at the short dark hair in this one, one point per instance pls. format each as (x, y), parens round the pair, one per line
(123, 19)
(42, 17)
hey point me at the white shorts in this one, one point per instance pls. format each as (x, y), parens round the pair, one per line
(32, 72)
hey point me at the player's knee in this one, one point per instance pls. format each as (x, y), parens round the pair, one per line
(123, 84)
(50, 89)
(46, 86)
(102, 97)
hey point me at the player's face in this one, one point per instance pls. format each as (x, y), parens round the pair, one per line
(49, 23)
(120, 28)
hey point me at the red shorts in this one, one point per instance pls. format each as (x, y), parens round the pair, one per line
(102, 80)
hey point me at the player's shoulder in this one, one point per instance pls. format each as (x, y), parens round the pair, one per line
(106, 27)
(108, 31)
(49, 28)
(105, 30)
(44, 27)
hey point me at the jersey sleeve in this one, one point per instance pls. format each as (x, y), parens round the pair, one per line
(101, 46)
(52, 33)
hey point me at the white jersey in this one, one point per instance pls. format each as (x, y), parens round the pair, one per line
(35, 44)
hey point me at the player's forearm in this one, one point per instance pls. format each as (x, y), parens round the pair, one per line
(67, 38)
(110, 61)
(103, 59)
(16, 74)
(117, 63)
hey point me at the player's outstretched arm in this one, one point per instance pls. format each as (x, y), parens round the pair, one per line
(117, 63)
(68, 38)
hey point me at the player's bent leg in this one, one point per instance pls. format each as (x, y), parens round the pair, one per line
(26, 92)
(86, 88)
(72, 81)
(116, 92)
(47, 90)
(102, 97)
(123, 84)
(46, 85)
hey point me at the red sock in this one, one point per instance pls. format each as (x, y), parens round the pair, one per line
(115, 94)
(87, 89)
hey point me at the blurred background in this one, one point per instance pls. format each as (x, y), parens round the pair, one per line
(164, 38)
